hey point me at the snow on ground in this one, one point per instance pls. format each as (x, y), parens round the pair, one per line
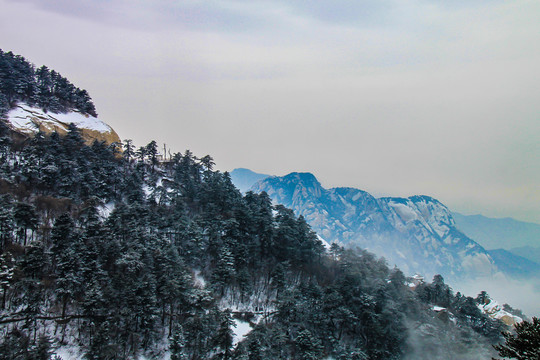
(106, 210)
(26, 118)
(495, 311)
(240, 331)
(405, 213)
(198, 279)
(68, 353)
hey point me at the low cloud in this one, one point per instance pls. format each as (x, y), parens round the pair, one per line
(520, 294)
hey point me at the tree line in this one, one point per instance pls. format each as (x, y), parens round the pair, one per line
(21, 81)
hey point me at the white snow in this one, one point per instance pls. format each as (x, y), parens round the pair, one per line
(404, 212)
(27, 118)
(240, 331)
(198, 279)
(324, 242)
(106, 210)
(495, 310)
(83, 121)
(67, 352)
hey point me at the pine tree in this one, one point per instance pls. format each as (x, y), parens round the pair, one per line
(307, 346)
(177, 344)
(25, 218)
(7, 268)
(129, 150)
(223, 339)
(6, 221)
(524, 344)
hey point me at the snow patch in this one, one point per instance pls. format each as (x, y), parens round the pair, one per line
(27, 119)
(240, 331)
(324, 242)
(494, 310)
(404, 212)
(198, 280)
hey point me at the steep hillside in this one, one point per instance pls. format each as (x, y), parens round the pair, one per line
(27, 121)
(40, 99)
(418, 233)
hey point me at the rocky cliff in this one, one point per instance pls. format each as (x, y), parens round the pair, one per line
(25, 121)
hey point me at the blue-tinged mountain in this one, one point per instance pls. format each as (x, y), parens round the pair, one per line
(515, 265)
(503, 233)
(418, 233)
(528, 252)
(244, 179)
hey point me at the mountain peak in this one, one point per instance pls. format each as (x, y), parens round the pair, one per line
(303, 177)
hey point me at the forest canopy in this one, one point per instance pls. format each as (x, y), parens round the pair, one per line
(21, 81)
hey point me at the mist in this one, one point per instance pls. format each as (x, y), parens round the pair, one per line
(427, 342)
(523, 294)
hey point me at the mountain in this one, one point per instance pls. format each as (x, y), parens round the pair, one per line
(528, 252)
(515, 265)
(244, 179)
(503, 233)
(418, 233)
(26, 121)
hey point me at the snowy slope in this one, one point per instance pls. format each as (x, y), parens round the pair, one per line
(28, 120)
(496, 311)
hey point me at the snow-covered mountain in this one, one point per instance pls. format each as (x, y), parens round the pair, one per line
(26, 120)
(418, 234)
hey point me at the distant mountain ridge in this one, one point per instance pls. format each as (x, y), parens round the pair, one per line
(514, 265)
(503, 233)
(418, 233)
(244, 179)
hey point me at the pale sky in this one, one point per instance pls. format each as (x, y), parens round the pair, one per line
(393, 97)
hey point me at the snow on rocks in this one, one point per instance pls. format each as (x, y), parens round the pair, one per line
(28, 120)
(494, 310)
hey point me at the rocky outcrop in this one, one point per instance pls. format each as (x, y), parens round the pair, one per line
(25, 121)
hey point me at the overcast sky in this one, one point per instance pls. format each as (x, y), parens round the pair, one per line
(394, 97)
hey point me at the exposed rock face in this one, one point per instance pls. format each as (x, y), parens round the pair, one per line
(26, 121)
(418, 233)
(496, 311)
